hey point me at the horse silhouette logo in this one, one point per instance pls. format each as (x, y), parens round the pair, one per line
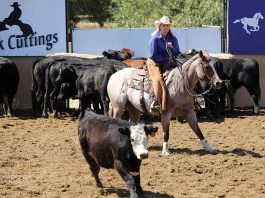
(252, 22)
(13, 19)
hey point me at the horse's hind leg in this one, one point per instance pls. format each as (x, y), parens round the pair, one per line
(135, 114)
(165, 119)
(192, 121)
(117, 110)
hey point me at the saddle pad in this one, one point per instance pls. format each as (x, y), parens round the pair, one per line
(139, 80)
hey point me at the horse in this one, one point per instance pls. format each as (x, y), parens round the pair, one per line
(254, 22)
(180, 97)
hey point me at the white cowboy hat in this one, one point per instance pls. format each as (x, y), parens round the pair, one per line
(163, 20)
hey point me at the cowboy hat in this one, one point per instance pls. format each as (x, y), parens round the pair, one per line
(15, 4)
(163, 20)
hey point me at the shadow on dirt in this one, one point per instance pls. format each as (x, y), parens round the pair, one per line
(202, 152)
(125, 193)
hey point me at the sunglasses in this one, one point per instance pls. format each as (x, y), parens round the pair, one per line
(165, 25)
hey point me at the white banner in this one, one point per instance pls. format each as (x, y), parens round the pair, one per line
(32, 27)
(95, 41)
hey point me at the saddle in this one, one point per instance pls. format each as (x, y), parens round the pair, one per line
(140, 80)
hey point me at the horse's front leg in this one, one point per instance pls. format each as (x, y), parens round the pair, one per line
(192, 121)
(165, 119)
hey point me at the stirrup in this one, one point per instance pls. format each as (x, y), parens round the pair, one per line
(155, 107)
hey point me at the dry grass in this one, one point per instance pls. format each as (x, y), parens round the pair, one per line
(87, 24)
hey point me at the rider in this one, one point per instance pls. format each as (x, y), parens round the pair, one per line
(162, 40)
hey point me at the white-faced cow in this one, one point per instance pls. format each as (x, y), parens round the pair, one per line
(9, 79)
(113, 143)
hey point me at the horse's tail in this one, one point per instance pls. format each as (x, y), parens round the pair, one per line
(236, 21)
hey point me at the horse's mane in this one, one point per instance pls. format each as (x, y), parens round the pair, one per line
(187, 64)
(257, 15)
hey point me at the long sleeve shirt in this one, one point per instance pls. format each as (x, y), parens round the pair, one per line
(158, 51)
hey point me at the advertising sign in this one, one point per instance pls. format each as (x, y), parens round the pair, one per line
(32, 27)
(246, 27)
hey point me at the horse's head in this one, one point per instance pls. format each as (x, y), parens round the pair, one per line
(258, 16)
(207, 72)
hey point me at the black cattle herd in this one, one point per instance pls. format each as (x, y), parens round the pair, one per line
(61, 77)
(57, 78)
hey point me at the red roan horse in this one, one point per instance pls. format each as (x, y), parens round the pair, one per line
(180, 98)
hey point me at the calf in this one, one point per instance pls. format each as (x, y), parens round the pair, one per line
(9, 79)
(113, 143)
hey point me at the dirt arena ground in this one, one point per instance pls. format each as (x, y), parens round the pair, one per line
(42, 158)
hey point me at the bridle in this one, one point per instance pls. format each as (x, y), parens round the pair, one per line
(179, 66)
(208, 79)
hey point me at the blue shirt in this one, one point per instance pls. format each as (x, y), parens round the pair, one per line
(158, 50)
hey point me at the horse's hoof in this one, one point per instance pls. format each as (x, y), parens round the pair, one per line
(256, 110)
(45, 115)
(165, 150)
(207, 146)
(99, 185)
(165, 153)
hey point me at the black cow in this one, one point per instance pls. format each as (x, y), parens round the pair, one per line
(240, 72)
(96, 82)
(122, 55)
(113, 143)
(67, 90)
(236, 73)
(39, 79)
(68, 76)
(39, 67)
(9, 79)
(43, 85)
(92, 85)
(215, 99)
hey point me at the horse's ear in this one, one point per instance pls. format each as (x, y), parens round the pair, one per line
(69, 68)
(206, 53)
(200, 53)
